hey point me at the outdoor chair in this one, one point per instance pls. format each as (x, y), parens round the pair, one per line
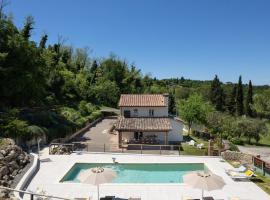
(200, 146)
(238, 169)
(241, 176)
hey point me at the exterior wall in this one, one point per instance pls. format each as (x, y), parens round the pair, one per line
(175, 135)
(144, 111)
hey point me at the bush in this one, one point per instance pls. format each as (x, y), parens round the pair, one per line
(233, 147)
(237, 141)
(95, 115)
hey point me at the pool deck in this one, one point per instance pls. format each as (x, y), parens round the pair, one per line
(52, 172)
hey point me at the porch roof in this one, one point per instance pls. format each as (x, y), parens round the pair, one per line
(143, 124)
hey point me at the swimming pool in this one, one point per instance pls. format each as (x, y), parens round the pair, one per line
(139, 173)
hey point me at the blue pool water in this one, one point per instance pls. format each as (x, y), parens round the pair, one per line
(139, 173)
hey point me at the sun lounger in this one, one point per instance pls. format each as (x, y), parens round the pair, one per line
(200, 146)
(191, 143)
(239, 175)
(238, 169)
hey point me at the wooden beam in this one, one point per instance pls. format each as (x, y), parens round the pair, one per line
(166, 138)
(120, 139)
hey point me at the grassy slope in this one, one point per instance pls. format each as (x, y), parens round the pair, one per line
(264, 141)
(193, 150)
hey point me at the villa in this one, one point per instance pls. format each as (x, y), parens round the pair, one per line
(144, 119)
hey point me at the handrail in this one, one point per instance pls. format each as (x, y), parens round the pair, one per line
(32, 193)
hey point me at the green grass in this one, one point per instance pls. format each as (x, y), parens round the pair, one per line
(262, 181)
(190, 150)
(193, 150)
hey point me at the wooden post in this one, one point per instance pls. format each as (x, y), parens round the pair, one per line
(160, 149)
(166, 138)
(141, 148)
(263, 171)
(120, 139)
(31, 196)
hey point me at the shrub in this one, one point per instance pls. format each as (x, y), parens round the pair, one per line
(233, 147)
(237, 141)
(95, 115)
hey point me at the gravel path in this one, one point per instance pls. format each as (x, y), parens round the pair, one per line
(99, 135)
(264, 152)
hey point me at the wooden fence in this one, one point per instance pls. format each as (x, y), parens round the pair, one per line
(262, 165)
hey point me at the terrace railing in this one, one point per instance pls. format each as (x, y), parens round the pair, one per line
(32, 194)
(115, 148)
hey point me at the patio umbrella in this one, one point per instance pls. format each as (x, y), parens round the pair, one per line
(204, 181)
(97, 176)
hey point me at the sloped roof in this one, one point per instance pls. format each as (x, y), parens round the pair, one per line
(143, 124)
(142, 100)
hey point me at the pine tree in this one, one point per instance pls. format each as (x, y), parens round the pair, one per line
(217, 94)
(232, 100)
(28, 26)
(239, 98)
(249, 100)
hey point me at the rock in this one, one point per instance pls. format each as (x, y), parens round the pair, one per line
(5, 178)
(13, 164)
(15, 172)
(4, 171)
(3, 152)
(4, 194)
(237, 156)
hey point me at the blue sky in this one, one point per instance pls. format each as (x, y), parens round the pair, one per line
(192, 38)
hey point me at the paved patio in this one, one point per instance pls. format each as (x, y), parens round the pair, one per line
(51, 173)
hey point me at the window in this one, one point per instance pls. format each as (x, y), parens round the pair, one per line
(135, 112)
(151, 112)
(127, 113)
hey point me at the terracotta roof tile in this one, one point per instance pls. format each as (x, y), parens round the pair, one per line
(142, 100)
(143, 124)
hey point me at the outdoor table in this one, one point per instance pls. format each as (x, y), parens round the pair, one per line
(208, 198)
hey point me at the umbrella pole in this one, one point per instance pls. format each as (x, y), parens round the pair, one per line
(98, 191)
(202, 194)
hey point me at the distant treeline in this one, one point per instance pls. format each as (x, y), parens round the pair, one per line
(71, 85)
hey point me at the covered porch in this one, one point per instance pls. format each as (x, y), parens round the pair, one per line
(151, 131)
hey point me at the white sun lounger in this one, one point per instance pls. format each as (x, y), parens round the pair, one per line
(238, 169)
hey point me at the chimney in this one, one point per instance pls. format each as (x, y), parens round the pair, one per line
(166, 97)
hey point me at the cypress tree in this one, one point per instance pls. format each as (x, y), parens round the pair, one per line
(249, 100)
(93, 70)
(42, 43)
(217, 94)
(172, 109)
(28, 26)
(232, 100)
(239, 98)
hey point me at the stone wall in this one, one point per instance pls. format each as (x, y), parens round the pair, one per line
(12, 161)
(237, 156)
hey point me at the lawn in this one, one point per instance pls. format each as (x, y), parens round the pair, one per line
(262, 181)
(193, 150)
